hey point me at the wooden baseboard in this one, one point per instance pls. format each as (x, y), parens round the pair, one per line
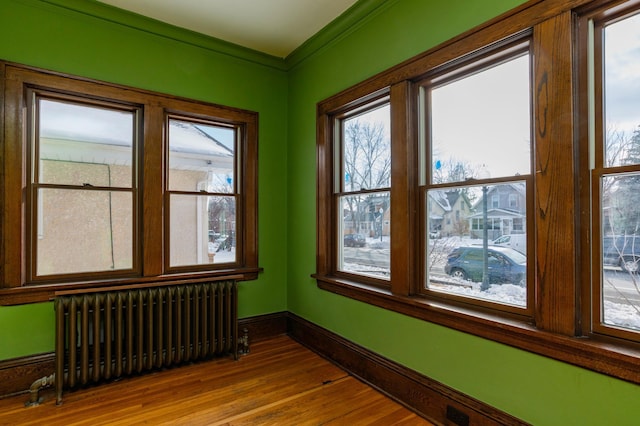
(427, 397)
(17, 374)
(262, 327)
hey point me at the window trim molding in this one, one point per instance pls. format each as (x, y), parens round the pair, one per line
(560, 275)
(15, 288)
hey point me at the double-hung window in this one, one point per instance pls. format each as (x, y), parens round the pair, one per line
(83, 190)
(475, 137)
(613, 35)
(514, 154)
(107, 185)
(362, 191)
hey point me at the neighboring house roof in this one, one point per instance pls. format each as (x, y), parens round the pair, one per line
(493, 213)
(517, 187)
(446, 200)
(440, 198)
(70, 132)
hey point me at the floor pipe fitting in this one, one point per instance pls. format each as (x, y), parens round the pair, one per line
(34, 399)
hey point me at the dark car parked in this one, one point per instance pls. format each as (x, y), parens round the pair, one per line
(622, 251)
(354, 240)
(505, 265)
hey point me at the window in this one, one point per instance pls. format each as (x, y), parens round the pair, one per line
(513, 201)
(483, 93)
(616, 171)
(82, 186)
(99, 207)
(362, 197)
(202, 187)
(515, 175)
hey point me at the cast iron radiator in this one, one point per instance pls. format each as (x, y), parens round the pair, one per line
(108, 335)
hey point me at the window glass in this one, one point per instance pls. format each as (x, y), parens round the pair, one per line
(479, 129)
(201, 157)
(202, 229)
(622, 92)
(620, 192)
(469, 259)
(364, 206)
(482, 122)
(81, 152)
(84, 145)
(365, 246)
(202, 168)
(84, 231)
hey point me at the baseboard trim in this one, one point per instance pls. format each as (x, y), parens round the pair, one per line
(17, 374)
(263, 327)
(427, 397)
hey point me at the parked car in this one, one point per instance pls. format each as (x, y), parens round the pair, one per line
(622, 251)
(505, 265)
(354, 240)
(514, 241)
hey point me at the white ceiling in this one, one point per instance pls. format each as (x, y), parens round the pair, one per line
(275, 27)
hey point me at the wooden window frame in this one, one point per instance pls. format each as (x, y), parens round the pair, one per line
(600, 13)
(150, 235)
(558, 325)
(467, 65)
(337, 123)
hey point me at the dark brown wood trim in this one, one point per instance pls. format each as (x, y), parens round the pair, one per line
(17, 374)
(263, 327)
(608, 356)
(425, 396)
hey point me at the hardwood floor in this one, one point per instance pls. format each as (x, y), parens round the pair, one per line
(279, 383)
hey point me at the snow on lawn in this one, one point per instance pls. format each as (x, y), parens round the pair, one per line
(621, 315)
(616, 314)
(507, 294)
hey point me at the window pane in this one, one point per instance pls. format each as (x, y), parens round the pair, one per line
(456, 256)
(80, 144)
(83, 231)
(202, 230)
(622, 92)
(621, 250)
(482, 120)
(367, 150)
(364, 246)
(201, 157)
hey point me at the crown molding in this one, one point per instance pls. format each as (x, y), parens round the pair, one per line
(352, 19)
(138, 22)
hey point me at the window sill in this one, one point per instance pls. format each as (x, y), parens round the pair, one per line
(614, 358)
(46, 292)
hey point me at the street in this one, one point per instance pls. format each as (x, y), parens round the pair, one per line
(619, 286)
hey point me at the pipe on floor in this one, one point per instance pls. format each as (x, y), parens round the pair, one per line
(43, 382)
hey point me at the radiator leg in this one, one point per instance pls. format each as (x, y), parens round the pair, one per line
(35, 388)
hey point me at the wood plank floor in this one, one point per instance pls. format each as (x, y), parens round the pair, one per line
(279, 383)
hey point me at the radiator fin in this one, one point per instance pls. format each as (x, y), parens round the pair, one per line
(108, 335)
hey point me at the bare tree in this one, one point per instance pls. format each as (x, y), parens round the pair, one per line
(454, 170)
(367, 165)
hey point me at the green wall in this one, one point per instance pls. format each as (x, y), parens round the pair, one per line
(162, 58)
(53, 37)
(534, 388)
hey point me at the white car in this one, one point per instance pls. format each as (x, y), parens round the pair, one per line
(515, 241)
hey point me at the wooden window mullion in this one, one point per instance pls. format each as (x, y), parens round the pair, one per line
(555, 259)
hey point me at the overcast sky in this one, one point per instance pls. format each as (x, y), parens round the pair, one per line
(622, 79)
(484, 119)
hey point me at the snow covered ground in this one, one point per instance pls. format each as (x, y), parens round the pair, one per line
(626, 315)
